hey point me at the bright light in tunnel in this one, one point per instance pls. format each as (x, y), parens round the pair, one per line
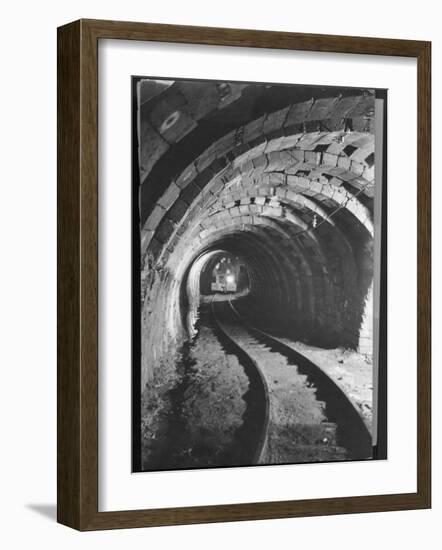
(230, 279)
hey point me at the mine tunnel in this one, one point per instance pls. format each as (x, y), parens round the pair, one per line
(276, 182)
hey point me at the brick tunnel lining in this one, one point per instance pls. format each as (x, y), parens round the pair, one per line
(304, 295)
(296, 207)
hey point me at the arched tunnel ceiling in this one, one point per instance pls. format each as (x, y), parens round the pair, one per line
(282, 176)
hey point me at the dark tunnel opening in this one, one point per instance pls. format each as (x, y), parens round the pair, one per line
(300, 288)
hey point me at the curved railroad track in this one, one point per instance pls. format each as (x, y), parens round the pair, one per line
(256, 418)
(295, 412)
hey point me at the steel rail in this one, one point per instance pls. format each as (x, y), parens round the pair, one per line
(256, 380)
(349, 418)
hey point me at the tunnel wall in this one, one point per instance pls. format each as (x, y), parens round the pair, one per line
(289, 191)
(161, 323)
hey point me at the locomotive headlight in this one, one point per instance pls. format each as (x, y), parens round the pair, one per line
(230, 279)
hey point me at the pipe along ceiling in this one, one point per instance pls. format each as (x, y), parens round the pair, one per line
(282, 180)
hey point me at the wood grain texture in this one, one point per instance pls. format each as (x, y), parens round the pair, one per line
(424, 273)
(68, 276)
(77, 222)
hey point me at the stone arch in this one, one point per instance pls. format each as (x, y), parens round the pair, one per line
(290, 190)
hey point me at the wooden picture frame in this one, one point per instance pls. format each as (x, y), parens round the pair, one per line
(77, 460)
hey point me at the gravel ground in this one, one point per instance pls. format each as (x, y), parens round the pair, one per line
(351, 371)
(191, 418)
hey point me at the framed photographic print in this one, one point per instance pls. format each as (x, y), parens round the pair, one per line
(243, 333)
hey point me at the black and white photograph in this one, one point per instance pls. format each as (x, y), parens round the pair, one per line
(220, 237)
(258, 270)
